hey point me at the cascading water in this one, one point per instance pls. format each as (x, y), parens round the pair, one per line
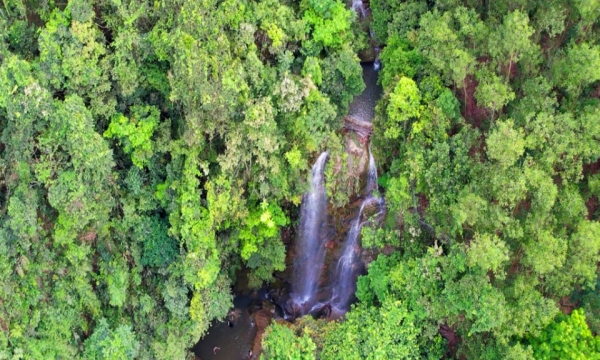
(332, 301)
(359, 9)
(371, 175)
(349, 266)
(310, 252)
(377, 62)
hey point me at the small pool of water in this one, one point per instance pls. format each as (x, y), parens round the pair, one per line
(224, 342)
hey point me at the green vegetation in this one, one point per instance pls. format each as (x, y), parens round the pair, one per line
(488, 136)
(151, 149)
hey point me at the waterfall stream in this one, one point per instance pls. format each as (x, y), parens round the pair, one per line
(314, 290)
(359, 9)
(310, 252)
(349, 265)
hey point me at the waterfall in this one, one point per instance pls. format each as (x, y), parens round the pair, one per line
(359, 9)
(310, 252)
(377, 62)
(349, 265)
(371, 175)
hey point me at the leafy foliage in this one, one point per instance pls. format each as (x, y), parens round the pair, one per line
(148, 150)
(567, 338)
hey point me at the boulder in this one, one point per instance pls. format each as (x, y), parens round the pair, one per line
(262, 319)
(362, 128)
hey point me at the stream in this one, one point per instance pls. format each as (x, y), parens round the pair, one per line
(233, 340)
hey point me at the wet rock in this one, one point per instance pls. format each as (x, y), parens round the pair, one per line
(268, 306)
(234, 315)
(362, 128)
(323, 312)
(254, 307)
(367, 55)
(262, 319)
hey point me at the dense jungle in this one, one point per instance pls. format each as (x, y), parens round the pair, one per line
(164, 161)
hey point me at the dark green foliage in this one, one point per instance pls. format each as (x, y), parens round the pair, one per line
(159, 248)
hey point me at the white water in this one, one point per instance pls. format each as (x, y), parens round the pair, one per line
(359, 9)
(371, 175)
(349, 264)
(377, 62)
(310, 252)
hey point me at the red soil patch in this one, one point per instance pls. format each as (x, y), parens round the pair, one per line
(423, 204)
(514, 265)
(504, 70)
(88, 237)
(592, 206)
(474, 114)
(557, 180)
(596, 93)
(591, 168)
(452, 340)
(522, 208)
(566, 305)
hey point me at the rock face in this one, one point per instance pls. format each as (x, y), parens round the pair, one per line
(362, 128)
(262, 319)
(357, 161)
(367, 55)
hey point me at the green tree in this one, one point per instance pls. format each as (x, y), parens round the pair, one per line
(106, 343)
(567, 338)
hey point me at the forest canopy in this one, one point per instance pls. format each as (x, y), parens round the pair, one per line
(150, 151)
(487, 136)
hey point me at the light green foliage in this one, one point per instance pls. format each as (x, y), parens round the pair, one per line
(329, 21)
(261, 224)
(280, 342)
(313, 69)
(575, 68)
(567, 338)
(492, 92)
(136, 132)
(395, 18)
(487, 252)
(398, 195)
(494, 195)
(442, 44)
(374, 333)
(126, 245)
(505, 144)
(404, 105)
(511, 41)
(260, 247)
(377, 238)
(342, 78)
(400, 60)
